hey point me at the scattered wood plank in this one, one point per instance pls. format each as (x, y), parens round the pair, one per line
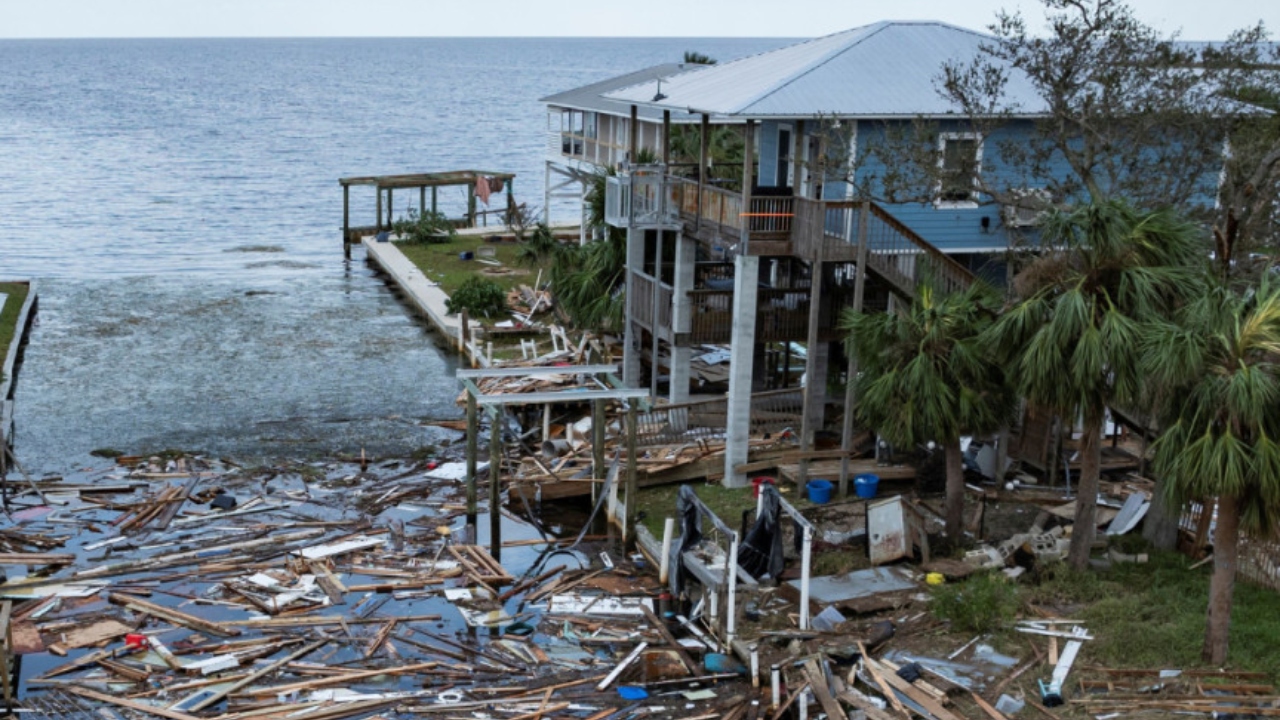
(172, 615)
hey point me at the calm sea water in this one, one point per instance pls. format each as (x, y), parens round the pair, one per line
(178, 202)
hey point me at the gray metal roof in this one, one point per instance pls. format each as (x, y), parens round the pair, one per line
(888, 68)
(592, 97)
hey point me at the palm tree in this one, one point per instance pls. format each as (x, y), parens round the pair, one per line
(1221, 365)
(924, 375)
(1072, 341)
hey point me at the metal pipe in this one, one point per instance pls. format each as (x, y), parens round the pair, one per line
(806, 554)
(664, 563)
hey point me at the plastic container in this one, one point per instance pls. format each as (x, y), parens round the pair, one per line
(757, 482)
(819, 492)
(865, 485)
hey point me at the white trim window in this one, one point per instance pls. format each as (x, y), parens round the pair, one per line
(959, 163)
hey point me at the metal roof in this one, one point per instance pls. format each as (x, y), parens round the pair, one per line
(592, 97)
(889, 68)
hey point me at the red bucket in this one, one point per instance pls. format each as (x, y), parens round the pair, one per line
(757, 482)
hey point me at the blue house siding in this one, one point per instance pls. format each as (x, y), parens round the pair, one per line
(953, 228)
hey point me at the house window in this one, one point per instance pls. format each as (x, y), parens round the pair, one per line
(571, 132)
(959, 162)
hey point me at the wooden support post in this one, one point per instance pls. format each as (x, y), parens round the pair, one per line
(666, 137)
(377, 226)
(471, 204)
(473, 430)
(346, 215)
(598, 470)
(495, 484)
(391, 213)
(433, 200)
(422, 200)
(633, 137)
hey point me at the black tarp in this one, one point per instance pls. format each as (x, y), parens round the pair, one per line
(690, 535)
(760, 553)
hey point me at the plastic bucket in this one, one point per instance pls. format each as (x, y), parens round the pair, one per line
(757, 482)
(819, 492)
(865, 485)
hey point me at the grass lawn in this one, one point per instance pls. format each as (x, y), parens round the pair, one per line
(442, 263)
(1153, 615)
(17, 293)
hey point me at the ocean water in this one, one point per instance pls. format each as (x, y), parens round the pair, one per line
(177, 201)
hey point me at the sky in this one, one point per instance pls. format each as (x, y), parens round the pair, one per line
(1195, 19)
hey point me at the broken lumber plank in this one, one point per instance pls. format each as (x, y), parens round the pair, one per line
(175, 616)
(864, 703)
(218, 696)
(379, 639)
(125, 671)
(918, 696)
(300, 621)
(333, 680)
(630, 658)
(818, 684)
(661, 627)
(131, 704)
(991, 712)
(884, 686)
(16, 558)
(93, 634)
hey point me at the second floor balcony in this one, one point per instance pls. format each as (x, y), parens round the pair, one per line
(780, 225)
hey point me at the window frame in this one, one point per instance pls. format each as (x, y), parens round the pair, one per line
(972, 202)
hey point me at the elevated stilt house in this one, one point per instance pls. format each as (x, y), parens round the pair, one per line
(772, 257)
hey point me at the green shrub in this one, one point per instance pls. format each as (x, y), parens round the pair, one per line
(981, 604)
(428, 227)
(480, 297)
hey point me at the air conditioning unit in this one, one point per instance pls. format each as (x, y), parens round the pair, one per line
(1028, 207)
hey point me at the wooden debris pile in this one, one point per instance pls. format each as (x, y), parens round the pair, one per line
(330, 592)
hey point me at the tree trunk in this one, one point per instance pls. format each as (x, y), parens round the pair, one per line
(1086, 523)
(1226, 537)
(1160, 526)
(955, 492)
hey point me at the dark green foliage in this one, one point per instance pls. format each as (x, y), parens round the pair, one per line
(1220, 368)
(981, 604)
(692, 57)
(480, 297)
(924, 374)
(538, 246)
(588, 279)
(428, 227)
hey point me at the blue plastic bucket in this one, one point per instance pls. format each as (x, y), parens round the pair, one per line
(819, 492)
(865, 485)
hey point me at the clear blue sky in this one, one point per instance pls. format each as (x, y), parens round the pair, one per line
(1197, 19)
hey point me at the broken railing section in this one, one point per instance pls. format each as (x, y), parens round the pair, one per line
(594, 384)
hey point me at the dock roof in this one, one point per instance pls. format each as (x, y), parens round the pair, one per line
(436, 179)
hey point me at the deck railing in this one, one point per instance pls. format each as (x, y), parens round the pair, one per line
(771, 412)
(782, 314)
(831, 229)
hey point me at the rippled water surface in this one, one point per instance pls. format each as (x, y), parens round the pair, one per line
(178, 203)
